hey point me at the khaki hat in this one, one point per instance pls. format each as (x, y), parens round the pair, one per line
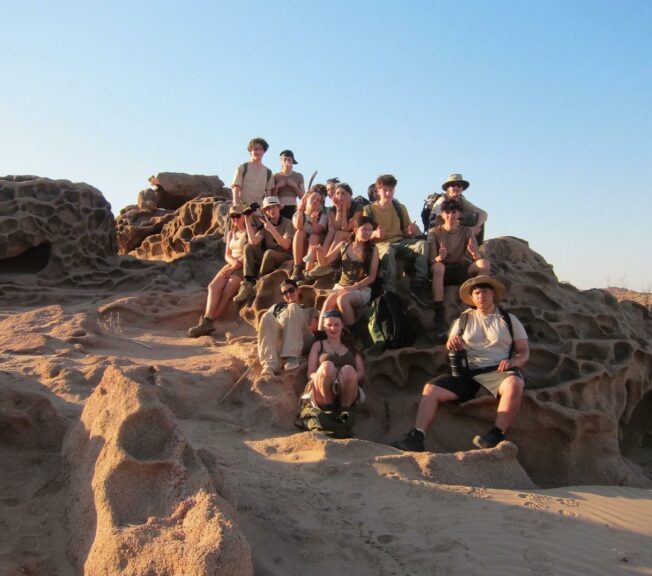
(270, 201)
(455, 179)
(236, 209)
(471, 283)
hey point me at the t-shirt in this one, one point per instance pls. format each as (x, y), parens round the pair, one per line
(256, 184)
(308, 221)
(388, 219)
(285, 229)
(455, 242)
(288, 195)
(486, 338)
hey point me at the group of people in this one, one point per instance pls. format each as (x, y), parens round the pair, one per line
(273, 219)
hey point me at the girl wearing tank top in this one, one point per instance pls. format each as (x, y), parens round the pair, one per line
(359, 261)
(227, 281)
(335, 369)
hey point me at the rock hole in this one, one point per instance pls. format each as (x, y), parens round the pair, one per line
(30, 261)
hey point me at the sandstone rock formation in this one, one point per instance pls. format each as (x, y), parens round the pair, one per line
(175, 188)
(141, 499)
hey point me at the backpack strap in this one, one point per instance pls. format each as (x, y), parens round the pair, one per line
(508, 321)
(462, 322)
(401, 217)
(245, 167)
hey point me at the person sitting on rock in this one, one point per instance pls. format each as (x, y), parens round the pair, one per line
(470, 216)
(449, 244)
(335, 369)
(342, 215)
(288, 185)
(395, 237)
(359, 262)
(496, 346)
(228, 279)
(267, 247)
(311, 224)
(252, 180)
(285, 332)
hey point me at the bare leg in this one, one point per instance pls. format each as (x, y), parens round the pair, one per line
(431, 397)
(348, 380)
(480, 267)
(329, 239)
(329, 304)
(511, 393)
(323, 384)
(299, 247)
(438, 271)
(227, 295)
(345, 302)
(214, 293)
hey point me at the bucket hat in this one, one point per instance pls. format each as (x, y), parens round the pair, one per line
(468, 286)
(455, 179)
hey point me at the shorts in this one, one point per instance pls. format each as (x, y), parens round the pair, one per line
(456, 274)
(363, 294)
(466, 387)
(308, 395)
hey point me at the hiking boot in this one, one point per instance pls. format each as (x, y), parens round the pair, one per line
(440, 329)
(246, 292)
(490, 440)
(413, 441)
(319, 271)
(204, 327)
(422, 293)
(297, 273)
(307, 280)
(291, 363)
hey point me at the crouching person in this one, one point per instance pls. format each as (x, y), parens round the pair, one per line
(496, 348)
(285, 332)
(335, 369)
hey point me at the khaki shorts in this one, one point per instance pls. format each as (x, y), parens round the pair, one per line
(466, 387)
(363, 294)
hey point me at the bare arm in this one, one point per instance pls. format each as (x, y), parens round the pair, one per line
(313, 360)
(520, 358)
(359, 366)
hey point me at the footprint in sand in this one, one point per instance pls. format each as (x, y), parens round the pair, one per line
(525, 522)
(568, 513)
(570, 502)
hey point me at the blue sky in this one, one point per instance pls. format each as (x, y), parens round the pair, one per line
(545, 107)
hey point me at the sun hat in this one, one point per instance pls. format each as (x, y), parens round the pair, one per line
(270, 201)
(455, 179)
(467, 288)
(236, 209)
(290, 154)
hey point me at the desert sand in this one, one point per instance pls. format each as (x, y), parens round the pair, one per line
(128, 448)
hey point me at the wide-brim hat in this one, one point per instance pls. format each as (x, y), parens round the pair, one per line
(455, 179)
(270, 201)
(290, 154)
(236, 209)
(468, 286)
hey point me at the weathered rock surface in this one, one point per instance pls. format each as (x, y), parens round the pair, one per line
(176, 188)
(142, 501)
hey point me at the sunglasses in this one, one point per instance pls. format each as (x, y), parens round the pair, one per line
(333, 314)
(288, 291)
(234, 216)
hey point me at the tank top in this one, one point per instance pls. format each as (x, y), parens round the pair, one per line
(353, 270)
(339, 360)
(237, 241)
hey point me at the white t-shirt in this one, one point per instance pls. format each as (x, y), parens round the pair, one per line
(486, 338)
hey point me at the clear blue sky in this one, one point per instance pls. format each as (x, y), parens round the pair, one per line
(546, 107)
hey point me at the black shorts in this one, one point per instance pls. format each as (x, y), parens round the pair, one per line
(456, 274)
(466, 387)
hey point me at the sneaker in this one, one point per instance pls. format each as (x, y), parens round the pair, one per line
(204, 327)
(297, 273)
(490, 440)
(320, 271)
(267, 371)
(422, 293)
(246, 292)
(291, 363)
(306, 280)
(413, 441)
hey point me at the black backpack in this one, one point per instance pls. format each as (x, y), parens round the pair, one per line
(389, 326)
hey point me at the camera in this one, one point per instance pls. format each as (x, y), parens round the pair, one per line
(459, 363)
(251, 208)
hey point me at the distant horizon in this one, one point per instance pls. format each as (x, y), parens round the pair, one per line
(545, 109)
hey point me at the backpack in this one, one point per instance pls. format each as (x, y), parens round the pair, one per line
(389, 326)
(328, 422)
(245, 167)
(426, 212)
(464, 318)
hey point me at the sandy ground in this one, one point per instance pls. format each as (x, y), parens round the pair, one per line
(306, 504)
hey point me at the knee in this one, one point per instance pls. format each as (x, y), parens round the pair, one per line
(348, 374)
(438, 269)
(483, 264)
(512, 386)
(327, 370)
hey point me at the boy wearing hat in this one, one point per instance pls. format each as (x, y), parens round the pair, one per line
(471, 215)
(267, 248)
(495, 356)
(252, 180)
(288, 184)
(454, 257)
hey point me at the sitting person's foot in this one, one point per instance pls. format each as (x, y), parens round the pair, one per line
(489, 440)
(440, 328)
(297, 273)
(267, 370)
(319, 272)
(204, 327)
(421, 292)
(413, 441)
(246, 292)
(291, 363)
(306, 280)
